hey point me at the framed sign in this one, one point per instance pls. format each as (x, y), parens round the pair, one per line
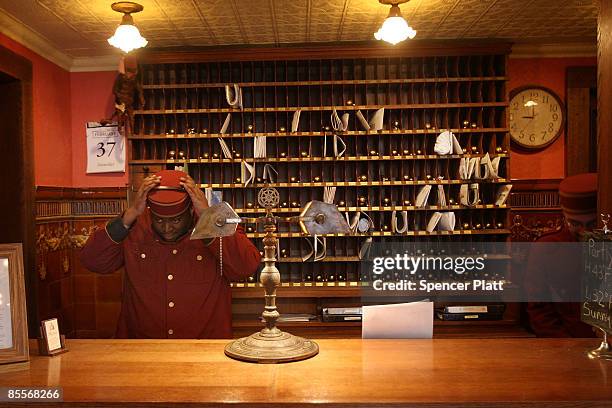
(51, 341)
(13, 317)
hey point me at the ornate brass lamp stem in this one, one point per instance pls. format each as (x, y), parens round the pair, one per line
(270, 344)
(270, 278)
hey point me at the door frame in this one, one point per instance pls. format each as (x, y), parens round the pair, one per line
(21, 68)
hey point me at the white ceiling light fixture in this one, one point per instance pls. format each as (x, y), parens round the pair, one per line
(127, 37)
(395, 28)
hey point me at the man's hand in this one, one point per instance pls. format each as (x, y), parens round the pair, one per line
(198, 199)
(140, 201)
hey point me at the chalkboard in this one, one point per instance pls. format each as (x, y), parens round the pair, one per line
(596, 307)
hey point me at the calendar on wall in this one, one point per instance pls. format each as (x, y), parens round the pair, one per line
(105, 148)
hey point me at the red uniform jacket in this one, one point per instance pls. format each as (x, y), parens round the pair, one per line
(171, 290)
(555, 319)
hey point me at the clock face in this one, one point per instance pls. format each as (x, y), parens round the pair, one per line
(536, 117)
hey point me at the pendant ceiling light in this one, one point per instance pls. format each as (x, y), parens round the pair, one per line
(127, 37)
(395, 28)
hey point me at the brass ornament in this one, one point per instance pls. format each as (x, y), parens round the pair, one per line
(271, 345)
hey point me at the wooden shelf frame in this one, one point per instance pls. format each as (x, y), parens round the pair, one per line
(460, 89)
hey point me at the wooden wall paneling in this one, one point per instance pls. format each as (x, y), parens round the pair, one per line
(604, 105)
(86, 304)
(579, 142)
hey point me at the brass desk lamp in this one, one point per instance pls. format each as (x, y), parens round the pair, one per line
(270, 344)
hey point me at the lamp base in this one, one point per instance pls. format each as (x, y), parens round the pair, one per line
(127, 7)
(270, 347)
(602, 352)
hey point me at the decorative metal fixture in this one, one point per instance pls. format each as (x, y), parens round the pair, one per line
(395, 28)
(127, 37)
(271, 345)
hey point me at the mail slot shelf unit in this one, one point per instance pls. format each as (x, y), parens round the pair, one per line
(379, 173)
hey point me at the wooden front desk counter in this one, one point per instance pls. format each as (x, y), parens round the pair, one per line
(483, 372)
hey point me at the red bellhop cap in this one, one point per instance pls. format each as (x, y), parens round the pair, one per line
(169, 199)
(578, 194)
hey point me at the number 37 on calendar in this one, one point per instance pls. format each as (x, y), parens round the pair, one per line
(105, 148)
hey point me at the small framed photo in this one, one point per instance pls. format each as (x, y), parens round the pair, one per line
(51, 341)
(13, 317)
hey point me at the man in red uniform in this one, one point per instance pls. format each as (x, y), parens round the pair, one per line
(174, 287)
(578, 196)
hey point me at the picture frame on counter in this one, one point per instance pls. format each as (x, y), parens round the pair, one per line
(13, 316)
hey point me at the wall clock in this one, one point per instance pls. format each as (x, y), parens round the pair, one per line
(537, 116)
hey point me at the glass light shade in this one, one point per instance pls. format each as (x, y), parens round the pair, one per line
(394, 30)
(127, 38)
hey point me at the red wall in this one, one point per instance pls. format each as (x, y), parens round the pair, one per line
(548, 72)
(52, 123)
(92, 100)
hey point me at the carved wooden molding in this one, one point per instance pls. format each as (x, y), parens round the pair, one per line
(535, 195)
(58, 208)
(530, 227)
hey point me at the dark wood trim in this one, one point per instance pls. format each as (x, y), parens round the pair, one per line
(604, 105)
(582, 76)
(580, 141)
(536, 196)
(71, 193)
(21, 68)
(324, 51)
(535, 184)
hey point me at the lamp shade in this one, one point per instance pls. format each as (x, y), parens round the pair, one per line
(395, 30)
(127, 38)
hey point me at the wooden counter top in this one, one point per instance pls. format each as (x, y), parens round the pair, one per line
(488, 372)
